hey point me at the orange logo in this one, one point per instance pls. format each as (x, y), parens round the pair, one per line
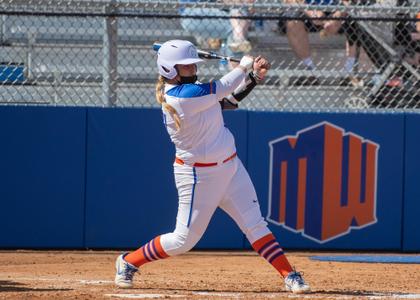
(323, 182)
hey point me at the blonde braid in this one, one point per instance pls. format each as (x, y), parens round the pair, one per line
(161, 100)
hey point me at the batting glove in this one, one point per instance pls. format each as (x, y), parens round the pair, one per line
(247, 63)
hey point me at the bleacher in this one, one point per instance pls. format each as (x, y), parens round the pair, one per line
(65, 63)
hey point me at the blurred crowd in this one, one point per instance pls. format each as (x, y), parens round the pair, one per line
(229, 34)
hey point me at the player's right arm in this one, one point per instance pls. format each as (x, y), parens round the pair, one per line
(193, 98)
(260, 69)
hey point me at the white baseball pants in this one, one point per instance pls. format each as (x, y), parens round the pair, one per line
(201, 190)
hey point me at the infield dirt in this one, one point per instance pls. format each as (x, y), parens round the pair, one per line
(197, 275)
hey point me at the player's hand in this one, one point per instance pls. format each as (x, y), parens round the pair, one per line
(246, 63)
(261, 67)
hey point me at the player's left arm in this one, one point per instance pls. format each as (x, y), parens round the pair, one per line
(260, 69)
(232, 101)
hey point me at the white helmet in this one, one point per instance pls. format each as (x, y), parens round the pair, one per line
(176, 52)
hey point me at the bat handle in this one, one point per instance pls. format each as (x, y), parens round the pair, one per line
(156, 47)
(233, 59)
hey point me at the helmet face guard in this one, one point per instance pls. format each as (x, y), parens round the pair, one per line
(176, 52)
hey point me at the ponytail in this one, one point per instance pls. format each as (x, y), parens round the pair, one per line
(161, 100)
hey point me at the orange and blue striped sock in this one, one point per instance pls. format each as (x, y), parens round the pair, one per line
(149, 252)
(270, 249)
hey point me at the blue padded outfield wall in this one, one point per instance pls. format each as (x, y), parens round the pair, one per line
(411, 213)
(102, 178)
(43, 164)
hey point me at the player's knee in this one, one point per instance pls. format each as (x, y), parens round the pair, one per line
(253, 224)
(182, 242)
(257, 229)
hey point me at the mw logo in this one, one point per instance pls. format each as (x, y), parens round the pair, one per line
(323, 182)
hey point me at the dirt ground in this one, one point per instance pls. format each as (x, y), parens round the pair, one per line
(197, 275)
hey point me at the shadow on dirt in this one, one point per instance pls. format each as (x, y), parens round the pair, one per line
(357, 294)
(13, 286)
(360, 293)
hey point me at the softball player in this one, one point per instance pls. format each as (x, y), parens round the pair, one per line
(208, 173)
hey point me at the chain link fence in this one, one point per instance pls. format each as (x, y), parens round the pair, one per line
(325, 54)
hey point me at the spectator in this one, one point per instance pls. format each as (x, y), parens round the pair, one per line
(394, 53)
(239, 40)
(211, 33)
(208, 173)
(418, 23)
(412, 45)
(416, 37)
(297, 31)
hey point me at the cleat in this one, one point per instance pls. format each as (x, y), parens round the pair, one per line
(294, 283)
(240, 46)
(125, 273)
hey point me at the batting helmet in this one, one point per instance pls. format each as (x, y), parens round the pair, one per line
(175, 52)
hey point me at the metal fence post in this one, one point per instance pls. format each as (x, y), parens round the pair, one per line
(29, 54)
(109, 70)
(57, 84)
(2, 29)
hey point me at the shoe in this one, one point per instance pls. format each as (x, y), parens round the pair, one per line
(304, 81)
(208, 43)
(214, 43)
(125, 272)
(240, 46)
(351, 81)
(294, 283)
(395, 82)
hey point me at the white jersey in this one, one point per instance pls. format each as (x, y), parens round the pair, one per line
(202, 137)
